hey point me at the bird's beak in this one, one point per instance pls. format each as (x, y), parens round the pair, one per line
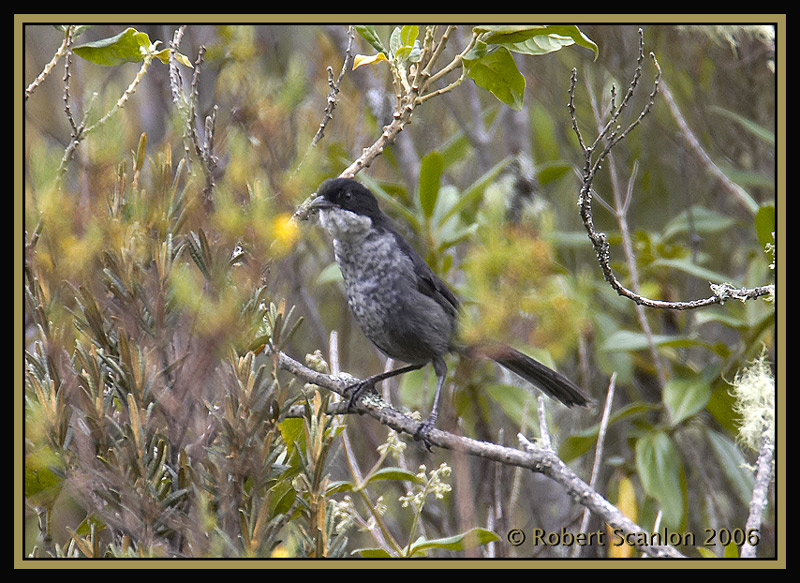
(320, 203)
(317, 203)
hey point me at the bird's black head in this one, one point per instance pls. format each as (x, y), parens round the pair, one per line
(348, 195)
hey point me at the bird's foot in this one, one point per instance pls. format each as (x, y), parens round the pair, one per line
(423, 432)
(355, 391)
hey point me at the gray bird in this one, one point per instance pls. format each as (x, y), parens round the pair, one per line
(402, 306)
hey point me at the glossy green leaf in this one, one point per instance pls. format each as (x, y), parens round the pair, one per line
(339, 486)
(44, 476)
(552, 171)
(402, 42)
(733, 464)
(659, 468)
(129, 46)
(537, 39)
(474, 192)
(497, 72)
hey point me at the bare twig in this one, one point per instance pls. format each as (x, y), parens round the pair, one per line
(203, 148)
(758, 502)
(598, 451)
(744, 199)
(408, 95)
(334, 88)
(47, 69)
(79, 132)
(610, 136)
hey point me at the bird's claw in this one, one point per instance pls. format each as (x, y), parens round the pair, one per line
(423, 433)
(355, 391)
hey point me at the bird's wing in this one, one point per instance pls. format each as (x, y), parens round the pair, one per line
(428, 282)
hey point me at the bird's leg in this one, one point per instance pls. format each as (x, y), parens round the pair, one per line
(430, 423)
(355, 391)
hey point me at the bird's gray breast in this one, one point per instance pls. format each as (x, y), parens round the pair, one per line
(383, 293)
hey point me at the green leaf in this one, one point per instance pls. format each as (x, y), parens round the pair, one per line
(685, 397)
(392, 473)
(536, 40)
(660, 469)
(330, 274)
(497, 72)
(339, 486)
(291, 430)
(733, 464)
(430, 180)
(697, 219)
(372, 553)
(552, 171)
(688, 266)
(129, 46)
(577, 444)
(44, 477)
(625, 340)
(472, 538)
(706, 553)
(511, 399)
(760, 132)
(765, 225)
(368, 33)
(401, 42)
(163, 56)
(474, 192)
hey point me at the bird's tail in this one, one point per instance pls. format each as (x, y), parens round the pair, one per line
(551, 382)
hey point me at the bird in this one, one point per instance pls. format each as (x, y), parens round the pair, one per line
(402, 306)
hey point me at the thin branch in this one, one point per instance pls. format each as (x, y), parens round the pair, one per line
(408, 96)
(758, 502)
(611, 135)
(531, 457)
(48, 68)
(544, 433)
(79, 132)
(737, 191)
(598, 451)
(334, 88)
(204, 150)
